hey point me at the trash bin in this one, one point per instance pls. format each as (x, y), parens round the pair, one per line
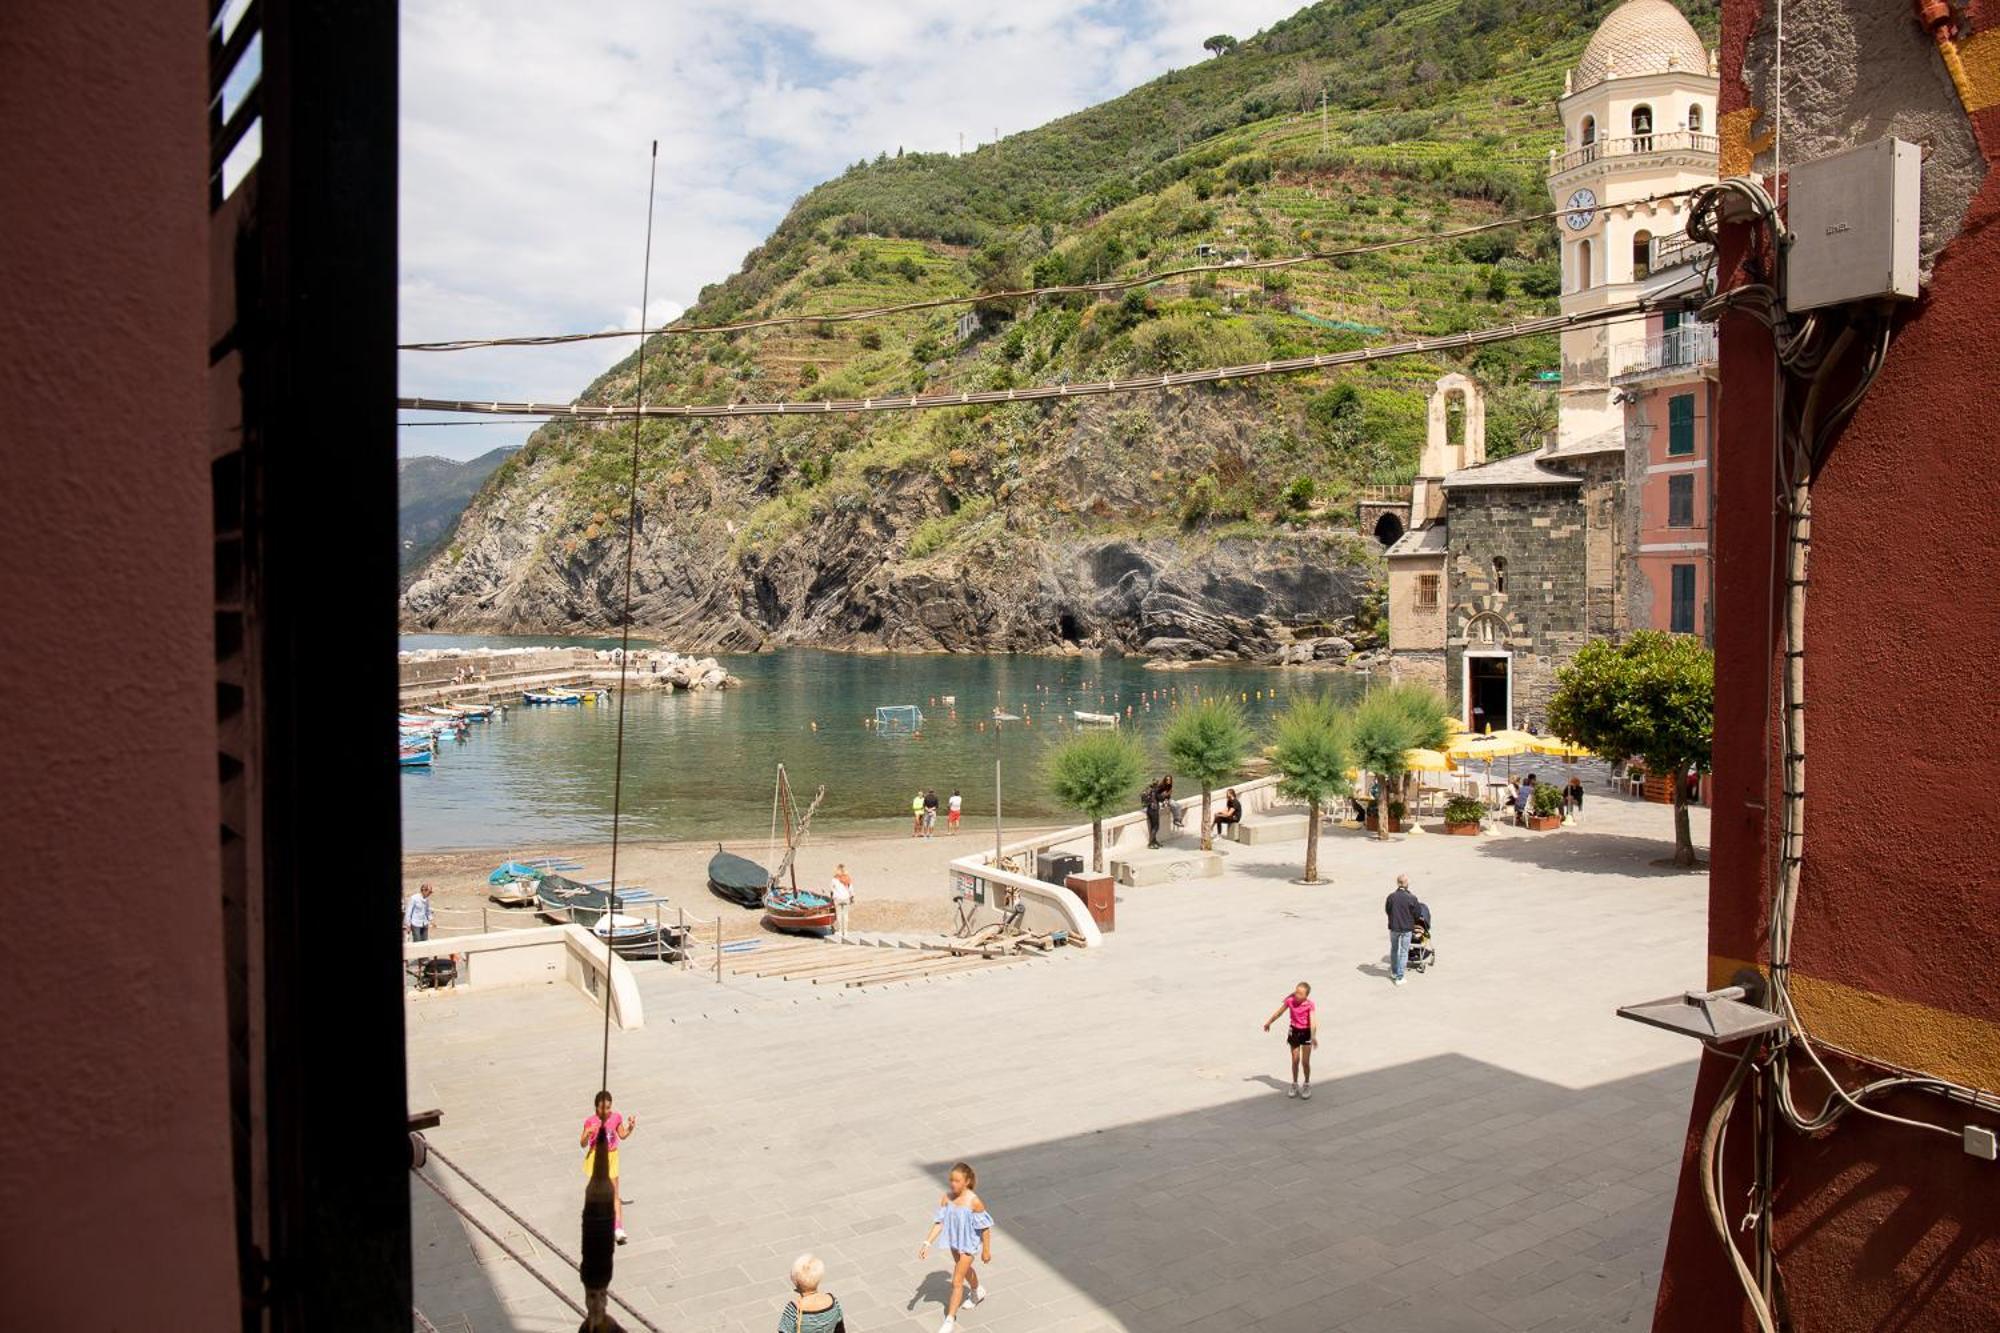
(1099, 898)
(1057, 867)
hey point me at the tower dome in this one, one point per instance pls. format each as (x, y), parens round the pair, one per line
(1640, 37)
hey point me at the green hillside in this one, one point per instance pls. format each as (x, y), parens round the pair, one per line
(1438, 114)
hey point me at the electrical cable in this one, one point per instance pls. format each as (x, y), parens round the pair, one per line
(1023, 293)
(1045, 392)
(527, 1226)
(493, 1236)
(1711, 1185)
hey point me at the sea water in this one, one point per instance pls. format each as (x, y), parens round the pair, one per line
(701, 766)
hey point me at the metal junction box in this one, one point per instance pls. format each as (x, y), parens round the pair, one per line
(1854, 219)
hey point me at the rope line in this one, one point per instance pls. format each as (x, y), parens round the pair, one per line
(1044, 392)
(530, 1228)
(423, 1325)
(505, 1248)
(1021, 293)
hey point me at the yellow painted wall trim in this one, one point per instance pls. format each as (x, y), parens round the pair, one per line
(1980, 54)
(1901, 1033)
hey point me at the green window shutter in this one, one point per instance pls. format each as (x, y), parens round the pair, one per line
(1680, 424)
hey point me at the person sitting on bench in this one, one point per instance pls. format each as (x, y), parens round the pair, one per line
(1229, 816)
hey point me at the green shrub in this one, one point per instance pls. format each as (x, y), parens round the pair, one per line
(1464, 810)
(1548, 799)
(1299, 494)
(1199, 502)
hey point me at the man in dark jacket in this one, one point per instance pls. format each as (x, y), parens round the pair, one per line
(1404, 913)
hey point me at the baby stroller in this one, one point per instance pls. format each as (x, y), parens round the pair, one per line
(1422, 953)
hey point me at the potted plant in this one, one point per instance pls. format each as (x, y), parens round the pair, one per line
(1464, 815)
(1548, 811)
(1395, 817)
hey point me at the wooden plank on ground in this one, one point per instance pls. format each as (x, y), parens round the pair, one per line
(946, 969)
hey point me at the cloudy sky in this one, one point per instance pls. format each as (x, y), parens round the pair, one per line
(526, 126)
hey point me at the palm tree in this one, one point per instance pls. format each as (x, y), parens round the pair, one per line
(1097, 773)
(1207, 742)
(1312, 753)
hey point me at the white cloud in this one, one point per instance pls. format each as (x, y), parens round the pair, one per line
(525, 128)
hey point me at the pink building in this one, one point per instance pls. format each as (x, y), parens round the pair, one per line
(1667, 388)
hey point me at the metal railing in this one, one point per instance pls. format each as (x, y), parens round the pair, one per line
(1679, 248)
(1633, 145)
(1684, 348)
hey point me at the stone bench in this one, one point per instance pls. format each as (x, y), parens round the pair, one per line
(1269, 828)
(1137, 869)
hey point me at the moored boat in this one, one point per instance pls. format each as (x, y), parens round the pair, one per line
(1095, 719)
(582, 904)
(414, 758)
(737, 878)
(636, 937)
(799, 911)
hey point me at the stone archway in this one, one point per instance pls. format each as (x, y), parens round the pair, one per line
(1389, 527)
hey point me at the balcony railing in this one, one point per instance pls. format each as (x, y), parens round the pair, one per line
(1686, 348)
(1666, 141)
(1678, 248)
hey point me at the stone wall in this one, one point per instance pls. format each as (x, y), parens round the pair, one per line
(1564, 583)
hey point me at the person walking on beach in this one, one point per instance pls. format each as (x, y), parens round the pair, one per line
(953, 810)
(1404, 913)
(615, 1126)
(811, 1310)
(842, 894)
(930, 813)
(917, 814)
(965, 1225)
(417, 915)
(1302, 1036)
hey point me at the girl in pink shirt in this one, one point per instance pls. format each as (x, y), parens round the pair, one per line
(1302, 1036)
(615, 1126)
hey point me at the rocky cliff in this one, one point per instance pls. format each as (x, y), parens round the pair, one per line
(1198, 523)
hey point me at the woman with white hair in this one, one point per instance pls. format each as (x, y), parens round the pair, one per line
(811, 1310)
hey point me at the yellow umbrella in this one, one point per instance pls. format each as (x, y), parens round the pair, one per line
(1453, 725)
(1426, 761)
(1562, 749)
(1498, 745)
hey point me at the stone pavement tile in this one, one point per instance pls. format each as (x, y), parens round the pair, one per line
(1422, 1314)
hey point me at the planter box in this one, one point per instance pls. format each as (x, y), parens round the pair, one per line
(1543, 823)
(1463, 830)
(1374, 826)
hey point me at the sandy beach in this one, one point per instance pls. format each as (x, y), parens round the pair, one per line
(900, 882)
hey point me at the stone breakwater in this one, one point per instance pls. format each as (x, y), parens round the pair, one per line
(435, 675)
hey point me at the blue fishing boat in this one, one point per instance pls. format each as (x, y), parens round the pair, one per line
(414, 758)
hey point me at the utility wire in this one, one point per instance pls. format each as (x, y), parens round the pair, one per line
(530, 1228)
(1022, 293)
(493, 1236)
(1042, 392)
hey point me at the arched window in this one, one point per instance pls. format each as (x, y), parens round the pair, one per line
(1694, 118)
(1642, 254)
(1583, 274)
(1642, 129)
(1454, 418)
(1499, 579)
(1586, 133)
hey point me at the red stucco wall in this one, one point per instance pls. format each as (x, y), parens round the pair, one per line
(110, 961)
(1878, 1227)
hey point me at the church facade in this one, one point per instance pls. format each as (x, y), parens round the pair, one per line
(1512, 565)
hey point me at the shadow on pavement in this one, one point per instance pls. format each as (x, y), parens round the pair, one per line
(1440, 1195)
(1575, 849)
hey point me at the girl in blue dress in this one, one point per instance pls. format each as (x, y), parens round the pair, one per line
(965, 1225)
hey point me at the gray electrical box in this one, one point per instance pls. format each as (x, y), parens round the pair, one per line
(1853, 218)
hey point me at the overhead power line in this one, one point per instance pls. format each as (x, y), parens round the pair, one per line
(1022, 293)
(1044, 392)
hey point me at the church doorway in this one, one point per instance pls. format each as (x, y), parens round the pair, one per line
(1489, 695)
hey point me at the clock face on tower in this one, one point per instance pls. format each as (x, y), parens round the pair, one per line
(1583, 207)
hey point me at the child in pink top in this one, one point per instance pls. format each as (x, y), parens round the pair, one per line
(1302, 1036)
(615, 1127)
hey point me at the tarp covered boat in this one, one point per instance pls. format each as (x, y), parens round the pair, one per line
(737, 878)
(582, 904)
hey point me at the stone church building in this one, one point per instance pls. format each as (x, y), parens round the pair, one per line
(1512, 565)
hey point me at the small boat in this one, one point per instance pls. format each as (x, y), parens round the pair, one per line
(551, 697)
(413, 758)
(535, 869)
(580, 904)
(1084, 719)
(737, 878)
(800, 911)
(636, 937)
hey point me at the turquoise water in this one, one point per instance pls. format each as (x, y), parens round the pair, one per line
(700, 766)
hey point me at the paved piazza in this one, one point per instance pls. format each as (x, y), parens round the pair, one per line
(1488, 1147)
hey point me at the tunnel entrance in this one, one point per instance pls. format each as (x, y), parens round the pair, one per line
(1388, 529)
